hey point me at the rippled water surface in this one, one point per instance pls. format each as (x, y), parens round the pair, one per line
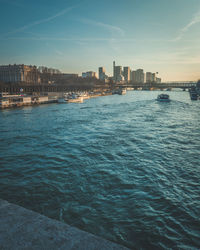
(126, 168)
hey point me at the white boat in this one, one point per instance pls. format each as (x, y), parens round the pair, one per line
(73, 98)
(163, 98)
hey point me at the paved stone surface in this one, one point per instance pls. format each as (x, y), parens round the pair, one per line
(22, 229)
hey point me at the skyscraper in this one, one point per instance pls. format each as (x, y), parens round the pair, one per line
(126, 74)
(138, 76)
(118, 74)
(133, 72)
(113, 70)
(154, 77)
(102, 73)
(150, 77)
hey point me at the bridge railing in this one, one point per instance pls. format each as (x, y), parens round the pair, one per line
(160, 85)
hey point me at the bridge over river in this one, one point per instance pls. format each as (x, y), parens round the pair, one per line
(42, 88)
(164, 85)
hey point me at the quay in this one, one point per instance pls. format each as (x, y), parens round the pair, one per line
(9, 101)
(22, 229)
(17, 100)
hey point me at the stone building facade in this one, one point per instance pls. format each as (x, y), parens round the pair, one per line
(19, 73)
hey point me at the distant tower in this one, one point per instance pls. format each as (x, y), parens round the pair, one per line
(118, 73)
(149, 77)
(102, 73)
(114, 70)
(126, 74)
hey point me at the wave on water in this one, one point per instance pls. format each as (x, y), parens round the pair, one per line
(123, 167)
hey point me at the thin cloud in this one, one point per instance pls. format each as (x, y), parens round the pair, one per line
(45, 20)
(195, 20)
(58, 52)
(114, 30)
(111, 28)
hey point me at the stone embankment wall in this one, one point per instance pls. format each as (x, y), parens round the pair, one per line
(22, 229)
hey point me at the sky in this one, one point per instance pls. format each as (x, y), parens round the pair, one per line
(81, 35)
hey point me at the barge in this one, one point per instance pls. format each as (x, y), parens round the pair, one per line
(9, 101)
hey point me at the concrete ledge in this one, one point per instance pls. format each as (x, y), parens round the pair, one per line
(21, 228)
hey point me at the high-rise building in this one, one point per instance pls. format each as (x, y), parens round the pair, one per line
(19, 73)
(133, 76)
(154, 77)
(102, 73)
(114, 70)
(118, 74)
(126, 74)
(150, 77)
(118, 71)
(138, 76)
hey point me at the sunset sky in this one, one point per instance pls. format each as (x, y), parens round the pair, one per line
(75, 36)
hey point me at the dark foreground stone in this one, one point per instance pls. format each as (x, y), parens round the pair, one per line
(21, 228)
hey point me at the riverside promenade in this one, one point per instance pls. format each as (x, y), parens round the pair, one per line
(22, 229)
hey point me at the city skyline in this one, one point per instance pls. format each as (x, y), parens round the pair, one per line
(80, 36)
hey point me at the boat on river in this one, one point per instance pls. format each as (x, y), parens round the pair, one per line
(194, 93)
(72, 97)
(193, 96)
(163, 98)
(119, 91)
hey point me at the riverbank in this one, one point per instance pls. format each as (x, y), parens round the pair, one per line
(21, 229)
(18, 100)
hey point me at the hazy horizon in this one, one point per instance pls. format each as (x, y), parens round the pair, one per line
(77, 36)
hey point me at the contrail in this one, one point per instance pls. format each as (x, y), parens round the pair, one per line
(195, 20)
(25, 27)
(109, 27)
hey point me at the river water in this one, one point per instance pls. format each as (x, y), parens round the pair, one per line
(126, 168)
